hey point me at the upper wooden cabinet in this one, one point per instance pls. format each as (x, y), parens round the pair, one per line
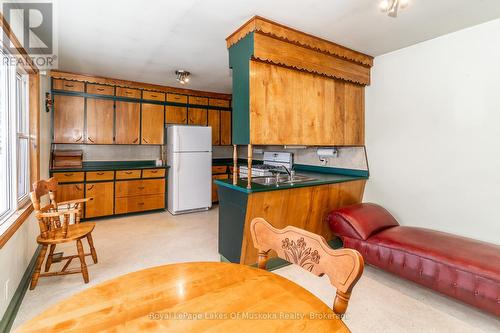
(197, 116)
(225, 128)
(100, 114)
(69, 114)
(100, 89)
(152, 124)
(128, 117)
(128, 92)
(198, 100)
(102, 202)
(153, 96)
(68, 85)
(214, 122)
(219, 102)
(175, 114)
(175, 98)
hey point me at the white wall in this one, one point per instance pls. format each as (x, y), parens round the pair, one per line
(433, 133)
(16, 255)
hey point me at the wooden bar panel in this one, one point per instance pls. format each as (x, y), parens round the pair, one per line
(140, 187)
(68, 85)
(68, 177)
(139, 203)
(305, 208)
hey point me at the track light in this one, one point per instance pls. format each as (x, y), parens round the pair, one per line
(182, 76)
(391, 7)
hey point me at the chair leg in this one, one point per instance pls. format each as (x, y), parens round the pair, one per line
(92, 248)
(48, 263)
(38, 267)
(83, 265)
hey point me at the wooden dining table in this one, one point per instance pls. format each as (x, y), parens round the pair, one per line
(191, 297)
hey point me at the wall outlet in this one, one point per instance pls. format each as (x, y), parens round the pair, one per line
(6, 290)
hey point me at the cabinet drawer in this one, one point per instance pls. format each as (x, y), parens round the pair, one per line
(68, 177)
(198, 100)
(153, 173)
(139, 203)
(128, 92)
(177, 98)
(100, 89)
(219, 169)
(128, 174)
(140, 187)
(153, 96)
(99, 175)
(224, 103)
(68, 85)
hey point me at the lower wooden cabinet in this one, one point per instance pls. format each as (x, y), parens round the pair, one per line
(102, 195)
(215, 197)
(139, 203)
(67, 192)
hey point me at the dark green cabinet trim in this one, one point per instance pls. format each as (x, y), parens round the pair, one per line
(239, 60)
(331, 170)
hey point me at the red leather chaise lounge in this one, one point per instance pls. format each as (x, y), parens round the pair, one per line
(463, 268)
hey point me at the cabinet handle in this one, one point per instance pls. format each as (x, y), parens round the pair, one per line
(145, 140)
(100, 173)
(90, 139)
(78, 188)
(135, 140)
(68, 174)
(154, 171)
(78, 139)
(68, 85)
(90, 188)
(128, 92)
(140, 187)
(100, 89)
(128, 172)
(154, 96)
(140, 203)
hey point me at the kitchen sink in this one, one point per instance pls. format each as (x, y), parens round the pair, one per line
(282, 179)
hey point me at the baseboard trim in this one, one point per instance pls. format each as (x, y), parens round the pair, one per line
(14, 304)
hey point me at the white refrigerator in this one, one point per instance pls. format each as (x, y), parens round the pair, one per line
(189, 154)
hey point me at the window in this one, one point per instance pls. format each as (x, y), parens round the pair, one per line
(14, 140)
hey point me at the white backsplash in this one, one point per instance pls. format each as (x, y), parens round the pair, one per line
(115, 152)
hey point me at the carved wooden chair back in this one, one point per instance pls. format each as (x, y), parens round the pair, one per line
(54, 224)
(311, 252)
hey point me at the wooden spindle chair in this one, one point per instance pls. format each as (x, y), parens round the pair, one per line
(311, 252)
(55, 228)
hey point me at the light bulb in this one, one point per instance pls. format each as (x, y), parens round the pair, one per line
(186, 79)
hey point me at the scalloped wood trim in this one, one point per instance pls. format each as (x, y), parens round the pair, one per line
(264, 25)
(134, 84)
(278, 51)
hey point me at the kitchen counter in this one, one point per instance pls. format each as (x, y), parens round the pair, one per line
(321, 175)
(112, 165)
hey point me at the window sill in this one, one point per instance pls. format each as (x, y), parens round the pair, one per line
(15, 221)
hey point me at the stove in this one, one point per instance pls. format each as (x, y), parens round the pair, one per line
(272, 163)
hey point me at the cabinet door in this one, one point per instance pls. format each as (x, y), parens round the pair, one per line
(215, 197)
(68, 119)
(152, 124)
(197, 116)
(214, 122)
(128, 116)
(225, 127)
(102, 195)
(176, 114)
(100, 121)
(69, 192)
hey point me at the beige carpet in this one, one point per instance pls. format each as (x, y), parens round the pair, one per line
(380, 302)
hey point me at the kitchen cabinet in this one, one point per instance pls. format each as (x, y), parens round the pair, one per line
(100, 89)
(197, 116)
(139, 195)
(69, 114)
(67, 192)
(152, 124)
(225, 128)
(100, 121)
(214, 122)
(68, 177)
(153, 96)
(176, 98)
(176, 114)
(215, 198)
(195, 100)
(68, 85)
(128, 116)
(102, 202)
(128, 92)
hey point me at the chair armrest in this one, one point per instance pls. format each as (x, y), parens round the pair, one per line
(74, 202)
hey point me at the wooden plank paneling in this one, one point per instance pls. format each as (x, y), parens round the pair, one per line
(293, 107)
(68, 119)
(305, 208)
(100, 121)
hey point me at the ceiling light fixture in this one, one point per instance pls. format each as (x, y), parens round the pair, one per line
(391, 7)
(182, 76)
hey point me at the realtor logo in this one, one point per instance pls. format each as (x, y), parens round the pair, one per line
(32, 23)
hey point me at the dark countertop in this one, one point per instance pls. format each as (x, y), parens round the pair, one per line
(112, 165)
(322, 175)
